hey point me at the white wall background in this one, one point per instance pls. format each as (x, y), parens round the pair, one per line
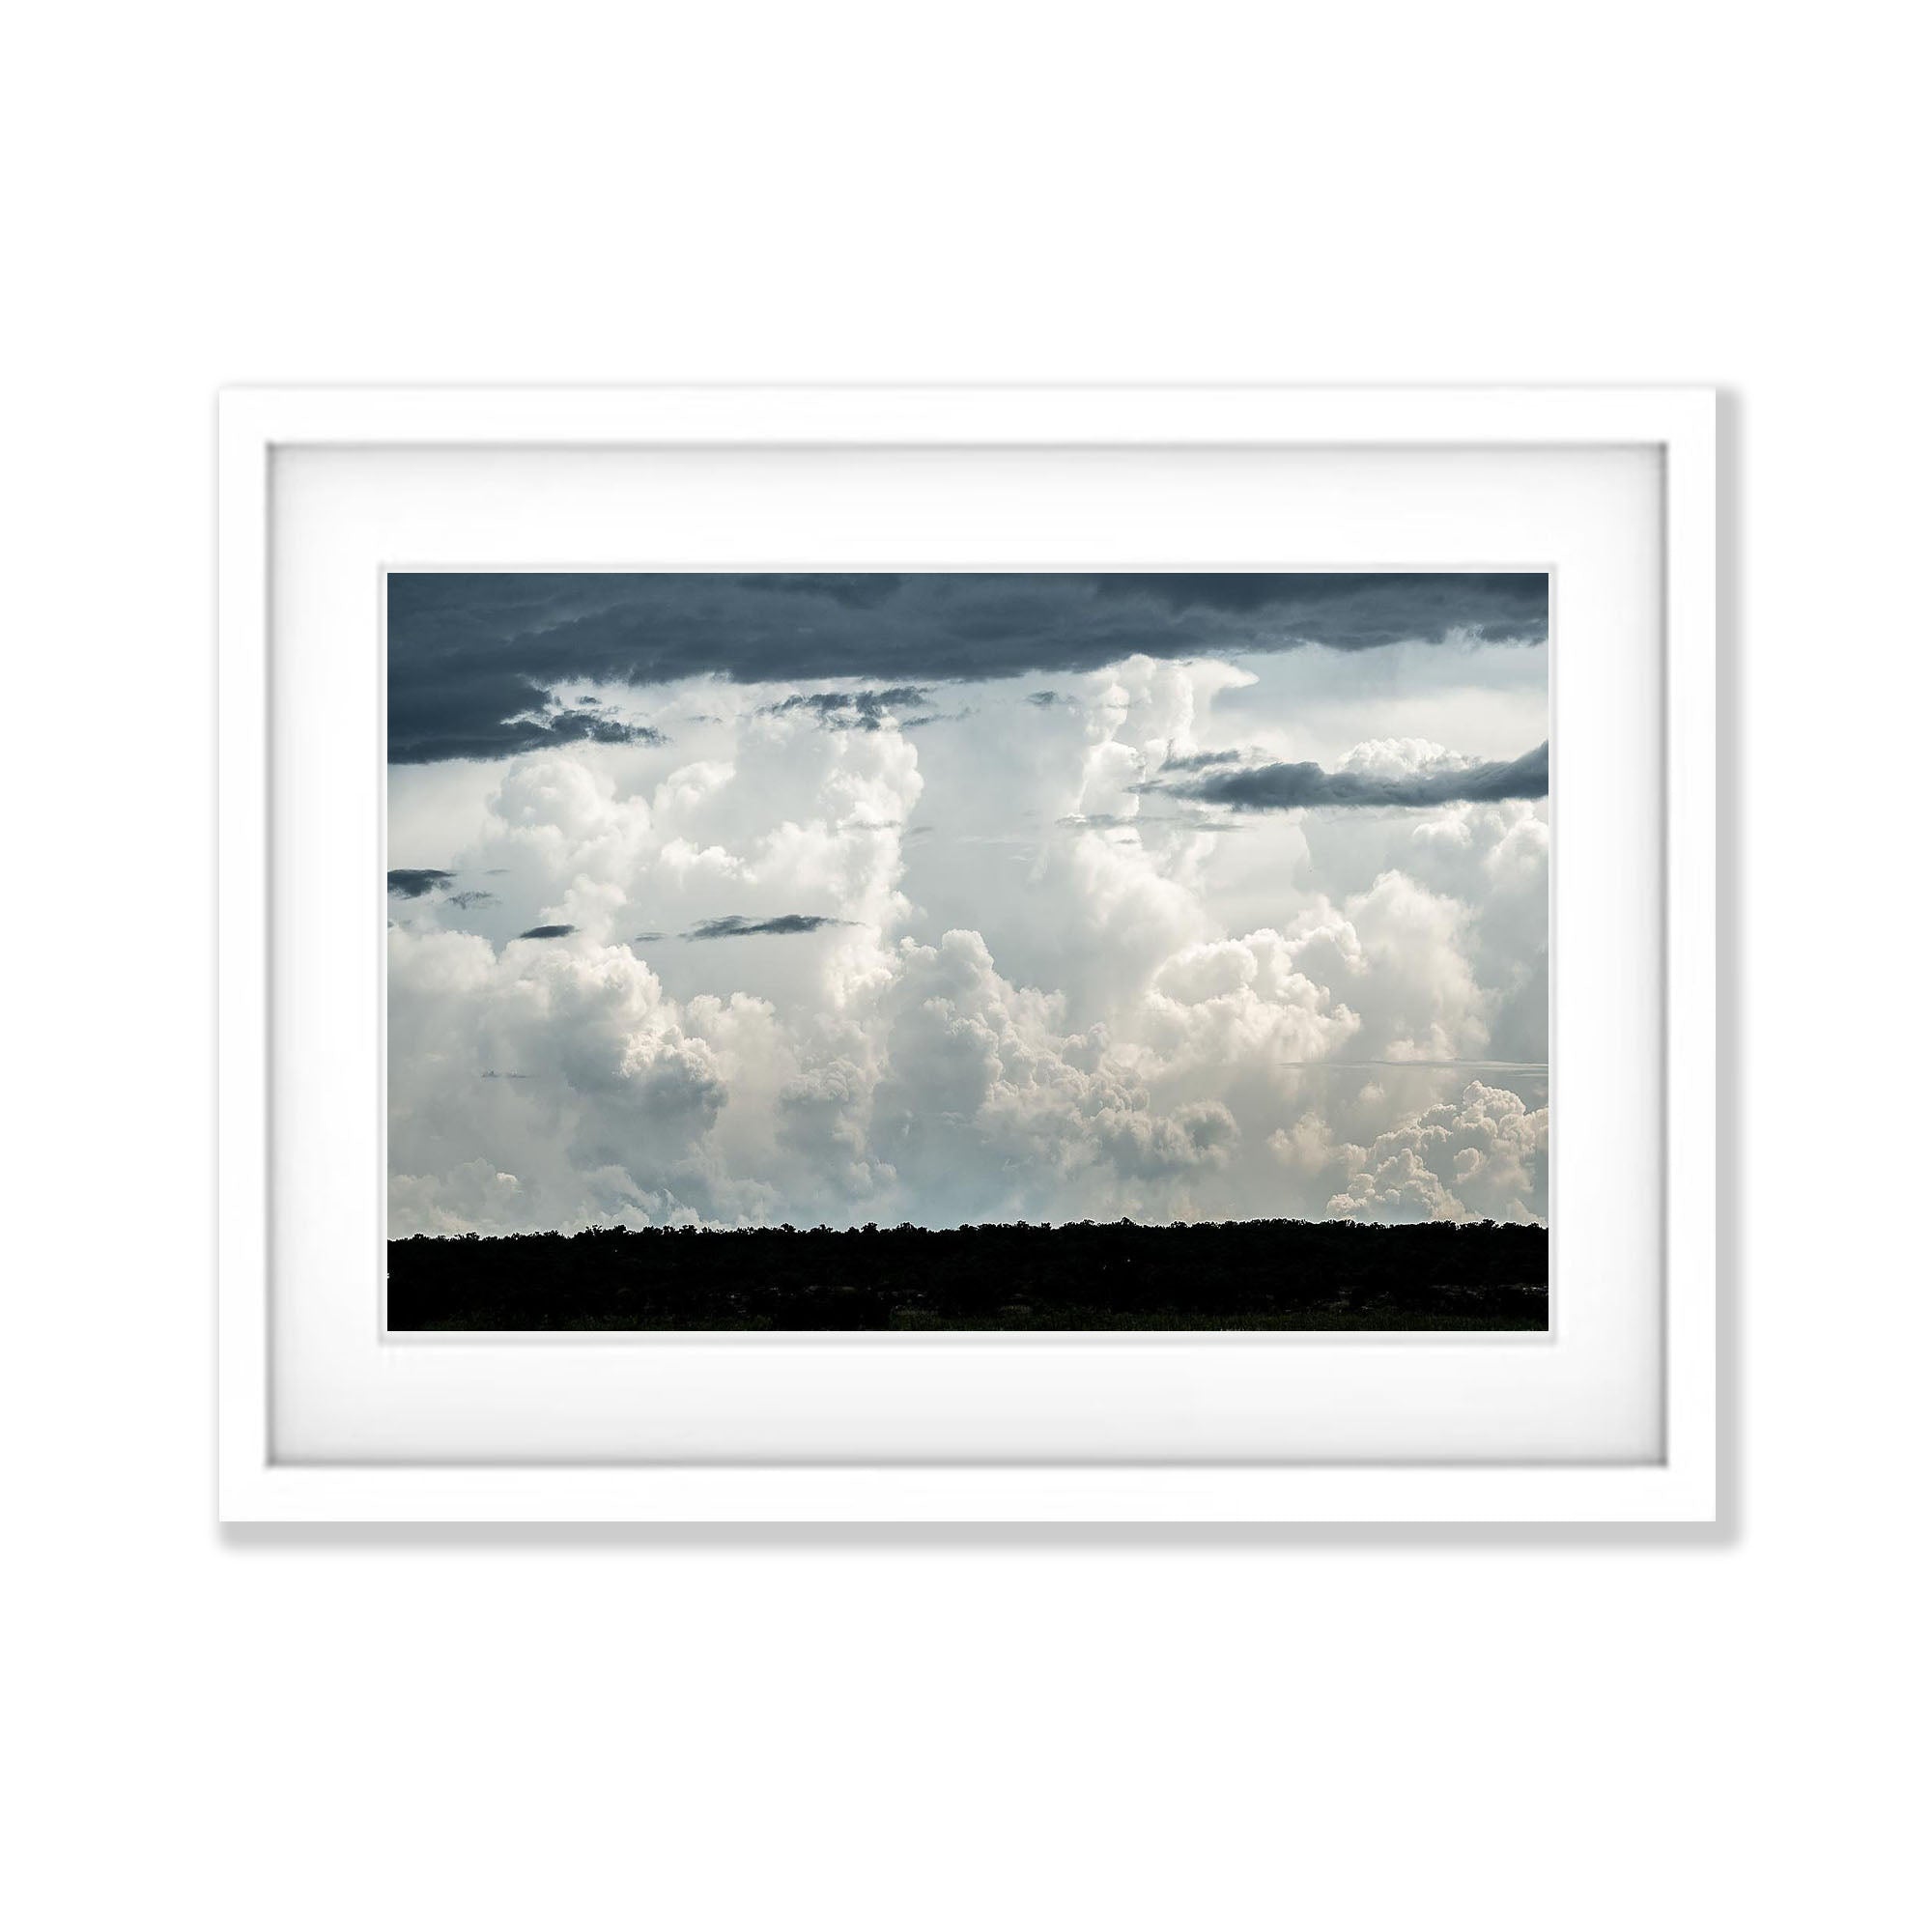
(572, 1730)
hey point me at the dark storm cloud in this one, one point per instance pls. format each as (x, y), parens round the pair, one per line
(853, 710)
(1283, 787)
(1357, 610)
(733, 926)
(548, 932)
(862, 590)
(473, 656)
(1201, 762)
(483, 711)
(414, 882)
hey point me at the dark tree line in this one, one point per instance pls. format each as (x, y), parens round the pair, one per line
(1234, 1274)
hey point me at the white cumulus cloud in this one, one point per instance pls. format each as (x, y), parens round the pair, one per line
(812, 961)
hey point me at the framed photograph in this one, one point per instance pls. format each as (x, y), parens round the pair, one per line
(968, 955)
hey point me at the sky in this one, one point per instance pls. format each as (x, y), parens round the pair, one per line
(725, 900)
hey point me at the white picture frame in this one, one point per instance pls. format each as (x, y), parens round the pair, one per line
(1678, 1484)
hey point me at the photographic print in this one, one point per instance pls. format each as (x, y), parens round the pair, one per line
(968, 950)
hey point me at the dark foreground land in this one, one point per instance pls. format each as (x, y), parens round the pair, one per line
(1242, 1275)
